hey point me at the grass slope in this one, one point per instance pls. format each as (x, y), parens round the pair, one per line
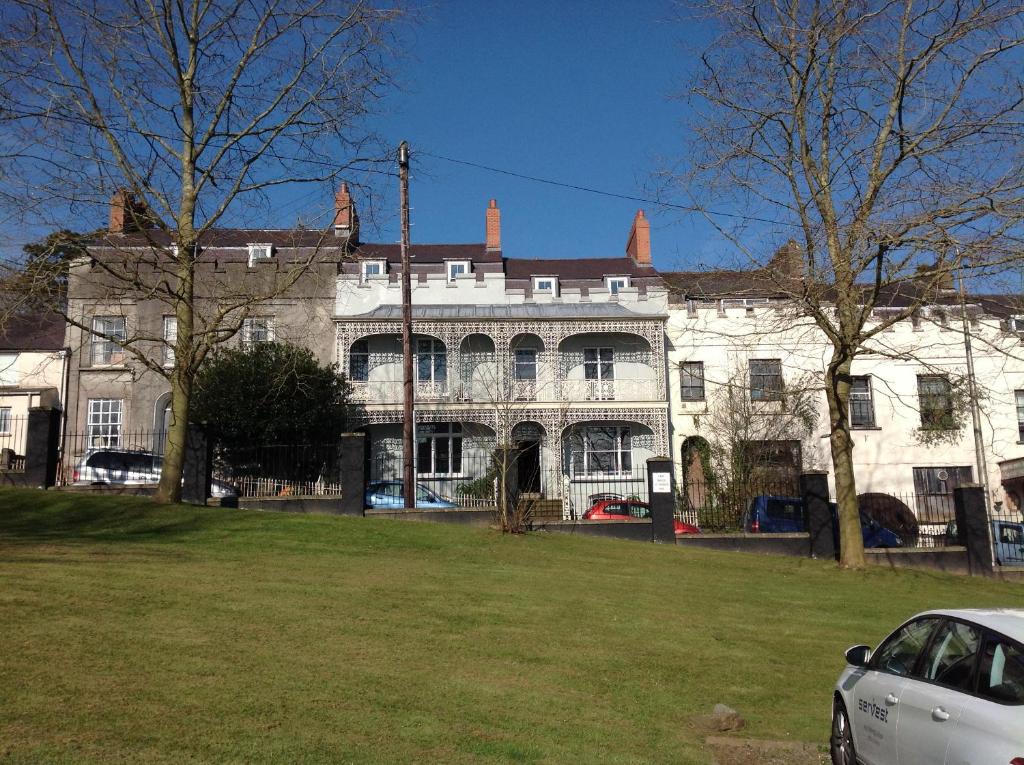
(145, 634)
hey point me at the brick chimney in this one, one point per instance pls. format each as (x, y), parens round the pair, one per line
(346, 219)
(493, 226)
(639, 245)
(126, 214)
(788, 261)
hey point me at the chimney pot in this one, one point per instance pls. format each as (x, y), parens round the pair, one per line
(346, 219)
(493, 225)
(638, 246)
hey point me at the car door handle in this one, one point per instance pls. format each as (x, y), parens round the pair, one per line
(890, 699)
(939, 714)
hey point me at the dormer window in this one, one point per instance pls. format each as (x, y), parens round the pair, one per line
(547, 284)
(260, 252)
(457, 268)
(370, 269)
(616, 283)
(1016, 324)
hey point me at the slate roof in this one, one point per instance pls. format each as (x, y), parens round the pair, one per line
(32, 332)
(429, 253)
(505, 312)
(575, 268)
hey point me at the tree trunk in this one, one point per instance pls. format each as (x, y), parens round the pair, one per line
(837, 388)
(169, 490)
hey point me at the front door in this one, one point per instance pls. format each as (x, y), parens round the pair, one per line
(529, 467)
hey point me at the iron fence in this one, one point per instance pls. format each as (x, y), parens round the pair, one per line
(722, 507)
(106, 454)
(1007, 536)
(13, 440)
(919, 520)
(274, 470)
(583, 491)
(465, 479)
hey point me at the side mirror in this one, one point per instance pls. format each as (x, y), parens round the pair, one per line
(858, 655)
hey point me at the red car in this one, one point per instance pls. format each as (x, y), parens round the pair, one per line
(624, 509)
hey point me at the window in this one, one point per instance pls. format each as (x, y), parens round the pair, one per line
(5, 419)
(1016, 324)
(899, 653)
(950, 657)
(1001, 671)
(372, 268)
(546, 284)
(934, 489)
(1020, 414)
(8, 369)
(747, 303)
(359, 361)
(260, 252)
(862, 405)
(616, 283)
(257, 329)
(106, 351)
(607, 450)
(599, 363)
(439, 448)
(691, 380)
(431, 360)
(525, 364)
(765, 379)
(457, 268)
(170, 338)
(104, 423)
(936, 402)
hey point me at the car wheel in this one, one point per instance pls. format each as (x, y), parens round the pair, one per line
(842, 738)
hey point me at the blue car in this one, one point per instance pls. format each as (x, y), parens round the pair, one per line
(391, 494)
(780, 515)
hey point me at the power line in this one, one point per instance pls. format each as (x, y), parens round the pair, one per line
(602, 192)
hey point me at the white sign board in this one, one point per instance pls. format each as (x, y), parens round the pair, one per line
(661, 483)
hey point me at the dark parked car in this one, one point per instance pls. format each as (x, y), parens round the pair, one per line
(780, 515)
(380, 494)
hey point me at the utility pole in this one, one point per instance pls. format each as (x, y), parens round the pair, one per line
(972, 391)
(408, 469)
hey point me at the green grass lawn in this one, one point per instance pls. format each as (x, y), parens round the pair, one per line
(134, 633)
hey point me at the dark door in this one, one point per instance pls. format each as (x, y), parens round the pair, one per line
(529, 466)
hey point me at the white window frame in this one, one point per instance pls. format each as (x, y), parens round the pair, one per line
(552, 288)
(260, 252)
(524, 363)
(105, 417)
(436, 351)
(1019, 401)
(1016, 323)
(686, 371)
(365, 267)
(869, 397)
(764, 390)
(622, 451)
(9, 369)
(5, 420)
(266, 323)
(449, 433)
(104, 352)
(616, 283)
(598, 362)
(456, 268)
(170, 339)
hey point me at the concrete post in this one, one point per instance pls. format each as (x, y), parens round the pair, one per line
(352, 473)
(41, 447)
(662, 499)
(820, 523)
(197, 469)
(973, 528)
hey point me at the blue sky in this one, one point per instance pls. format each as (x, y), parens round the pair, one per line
(579, 92)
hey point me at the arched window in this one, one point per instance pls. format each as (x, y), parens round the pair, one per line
(359, 362)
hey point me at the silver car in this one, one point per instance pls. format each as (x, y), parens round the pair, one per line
(128, 467)
(946, 687)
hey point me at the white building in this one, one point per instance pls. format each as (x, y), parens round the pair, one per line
(566, 358)
(911, 427)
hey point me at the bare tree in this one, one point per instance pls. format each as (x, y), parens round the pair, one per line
(189, 112)
(748, 445)
(884, 137)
